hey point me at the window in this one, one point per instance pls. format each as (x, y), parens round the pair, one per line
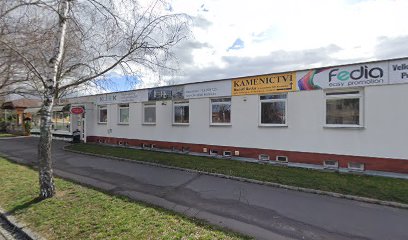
(149, 113)
(273, 110)
(181, 112)
(123, 113)
(61, 121)
(35, 122)
(102, 114)
(344, 109)
(221, 111)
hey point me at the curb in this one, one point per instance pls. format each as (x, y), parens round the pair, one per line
(241, 179)
(20, 227)
(7, 138)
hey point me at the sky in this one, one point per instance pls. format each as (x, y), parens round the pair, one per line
(241, 38)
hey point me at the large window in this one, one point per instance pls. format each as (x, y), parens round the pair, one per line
(35, 122)
(221, 111)
(102, 114)
(123, 112)
(149, 113)
(344, 109)
(61, 121)
(181, 112)
(273, 110)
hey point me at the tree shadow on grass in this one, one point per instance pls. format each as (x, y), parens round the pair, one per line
(25, 205)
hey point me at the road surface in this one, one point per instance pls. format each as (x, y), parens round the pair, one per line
(260, 211)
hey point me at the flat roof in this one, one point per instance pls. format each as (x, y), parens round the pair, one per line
(234, 78)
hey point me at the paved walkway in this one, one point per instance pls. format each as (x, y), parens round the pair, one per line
(260, 211)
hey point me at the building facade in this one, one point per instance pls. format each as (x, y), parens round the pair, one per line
(351, 116)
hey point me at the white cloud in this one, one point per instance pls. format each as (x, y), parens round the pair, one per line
(286, 35)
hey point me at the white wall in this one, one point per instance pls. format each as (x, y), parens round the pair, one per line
(385, 132)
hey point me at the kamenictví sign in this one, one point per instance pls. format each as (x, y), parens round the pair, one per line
(270, 83)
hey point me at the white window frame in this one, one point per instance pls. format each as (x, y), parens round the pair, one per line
(221, 103)
(100, 107)
(54, 128)
(285, 100)
(120, 107)
(149, 105)
(345, 94)
(181, 104)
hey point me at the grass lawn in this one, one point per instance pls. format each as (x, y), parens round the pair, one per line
(77, 212)
(6, 135)
(367, 186)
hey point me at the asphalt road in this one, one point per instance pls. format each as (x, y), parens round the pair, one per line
(256, 210)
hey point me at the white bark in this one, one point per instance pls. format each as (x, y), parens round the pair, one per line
(47, 187)
(104, 35)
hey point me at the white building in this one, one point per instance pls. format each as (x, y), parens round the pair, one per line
(353, 116)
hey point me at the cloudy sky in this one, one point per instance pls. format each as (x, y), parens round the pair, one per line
(241, 38)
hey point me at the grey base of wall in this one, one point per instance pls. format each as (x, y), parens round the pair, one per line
(308, 190)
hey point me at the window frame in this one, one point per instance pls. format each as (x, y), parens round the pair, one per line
(100, 107)
(58, 119)
(285, 100)
(345, 94)
(182, 104)
(224, 103)
(120, 107)
(149, 105)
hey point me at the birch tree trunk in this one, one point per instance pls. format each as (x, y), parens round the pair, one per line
(47, 186)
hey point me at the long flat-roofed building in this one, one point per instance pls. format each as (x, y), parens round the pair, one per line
(351, 116)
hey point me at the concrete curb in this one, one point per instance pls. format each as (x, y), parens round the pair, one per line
(22, 228)
(300, 189)
(7, 138)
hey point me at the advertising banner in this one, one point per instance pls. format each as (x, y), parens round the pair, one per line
(210, 89)
(271, 83)
(166, 93)
(343, 76)
(398, 71)
(122, 97)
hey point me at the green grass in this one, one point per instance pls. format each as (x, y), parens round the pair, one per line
(367, 186)
(77, 212)
(6, 135)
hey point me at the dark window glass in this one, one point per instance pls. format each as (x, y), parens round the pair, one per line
(150, 114)
(273, 112)
(343, 111)
(124, 115)
(221, 110)
(103, 115)
(181, 114)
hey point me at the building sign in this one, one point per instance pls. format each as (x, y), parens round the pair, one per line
(344, 76)
(122, 97)
(398, 70)
(210, 89)
(166, 93)
(271, 83)
(77, 110)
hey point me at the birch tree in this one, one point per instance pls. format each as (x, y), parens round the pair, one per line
(63, 44)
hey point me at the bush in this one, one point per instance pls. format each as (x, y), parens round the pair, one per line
(27, 127)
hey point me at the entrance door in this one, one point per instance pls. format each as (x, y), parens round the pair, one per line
(78, 123)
